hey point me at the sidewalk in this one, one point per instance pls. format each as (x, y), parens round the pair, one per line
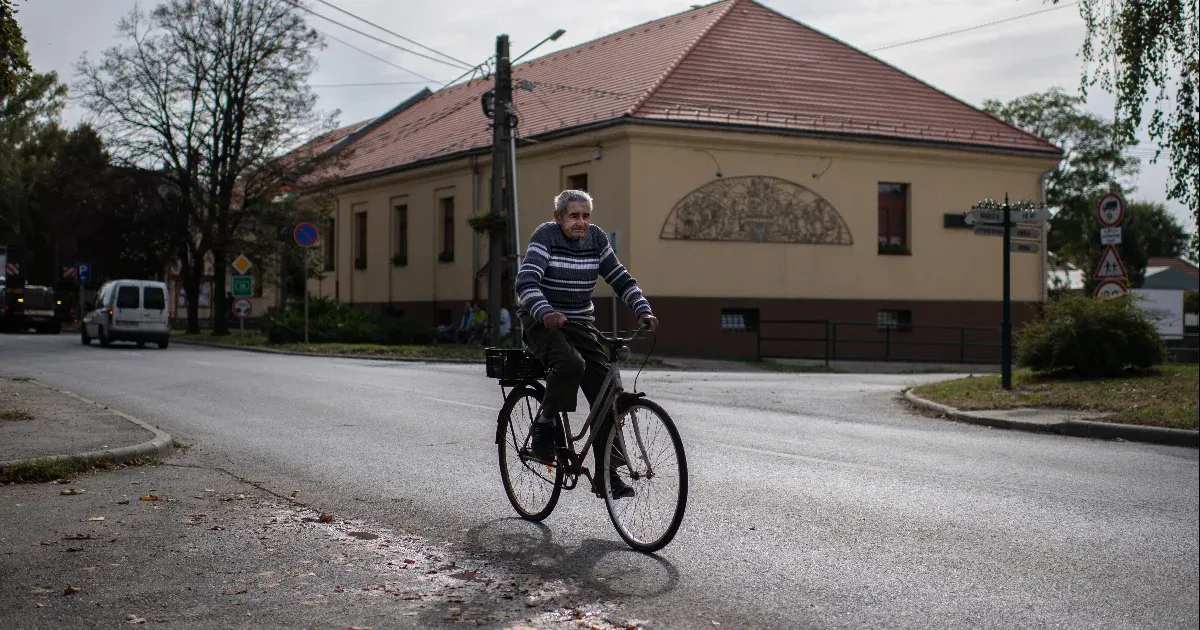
(40, 422)
(1088, 424)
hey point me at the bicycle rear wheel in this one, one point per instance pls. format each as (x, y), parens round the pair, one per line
(655, 467)
(532, 488)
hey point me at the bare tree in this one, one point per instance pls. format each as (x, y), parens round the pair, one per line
(214, 94)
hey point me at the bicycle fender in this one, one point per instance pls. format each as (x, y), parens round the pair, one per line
(624, 399)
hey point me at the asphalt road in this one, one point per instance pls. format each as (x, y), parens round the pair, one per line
(817, 500)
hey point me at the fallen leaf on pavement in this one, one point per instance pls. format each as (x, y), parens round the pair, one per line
(96, 518)
(364, 535)
(78, 537)
(151, 497)
(72, 491)
(132, 618)
(235, 591)
(71, 590)
(326, 518)
(294, 493)
(123, 502)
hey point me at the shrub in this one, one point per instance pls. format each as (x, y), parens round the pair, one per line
(1091, 337)
(330, 321)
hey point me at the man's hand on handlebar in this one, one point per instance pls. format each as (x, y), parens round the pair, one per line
(554, 320)
(649, 321)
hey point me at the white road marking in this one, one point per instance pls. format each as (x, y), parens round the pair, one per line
(455, 402)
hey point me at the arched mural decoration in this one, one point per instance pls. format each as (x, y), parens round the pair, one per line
(756, 208)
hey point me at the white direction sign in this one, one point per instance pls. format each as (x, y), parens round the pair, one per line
(1024, 247)
(1110, 210)
(1110, 236)
(1110, 265)
(1015, 216)
(1014, 232)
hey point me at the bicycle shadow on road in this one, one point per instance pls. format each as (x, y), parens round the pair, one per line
(605, 567)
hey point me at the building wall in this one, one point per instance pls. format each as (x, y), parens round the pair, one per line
(426, 286)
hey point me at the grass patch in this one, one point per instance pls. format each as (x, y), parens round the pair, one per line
(46, 470)
(1165, 397)
(15, 414)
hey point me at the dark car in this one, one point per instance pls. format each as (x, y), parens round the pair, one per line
(33, 306)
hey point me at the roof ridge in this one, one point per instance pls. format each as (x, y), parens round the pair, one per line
(666, 73)
(373, 123)
(895, 68)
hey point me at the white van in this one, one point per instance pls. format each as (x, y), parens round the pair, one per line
(129, 310)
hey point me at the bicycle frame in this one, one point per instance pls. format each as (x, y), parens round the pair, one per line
(611, 389)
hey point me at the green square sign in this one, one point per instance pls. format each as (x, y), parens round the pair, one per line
(243, 286)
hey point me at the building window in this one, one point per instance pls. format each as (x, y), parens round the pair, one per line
(330, 240)
(577, 182)
(400, 259)
(447, 204)
(900, 321)
(360, 240)
(739, 319)
(893, 219)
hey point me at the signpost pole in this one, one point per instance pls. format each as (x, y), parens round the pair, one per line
(1006, 321)
(306, 257)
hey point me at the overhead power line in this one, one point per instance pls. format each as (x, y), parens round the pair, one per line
(369, 54)
(972, 28)
(393, 33)
(370, 36)
(372, 84)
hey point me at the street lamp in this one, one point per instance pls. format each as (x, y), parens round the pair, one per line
(553, 37)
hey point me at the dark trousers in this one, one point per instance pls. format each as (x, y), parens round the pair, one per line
(574, 357)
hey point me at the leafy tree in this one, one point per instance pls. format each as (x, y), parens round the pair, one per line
(1155, 45)
(212, 93)
(1095, 157)
(14, 60)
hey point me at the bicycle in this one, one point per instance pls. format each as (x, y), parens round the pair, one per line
(631, 426)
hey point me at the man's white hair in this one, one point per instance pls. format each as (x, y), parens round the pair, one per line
(567, 196)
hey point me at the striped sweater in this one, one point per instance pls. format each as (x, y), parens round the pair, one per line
(559, 274)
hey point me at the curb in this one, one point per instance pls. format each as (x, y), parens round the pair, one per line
(362, 357)
(1074, 428)
(160, 445)
(326, 355)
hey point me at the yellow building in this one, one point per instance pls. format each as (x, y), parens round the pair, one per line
(755, 170)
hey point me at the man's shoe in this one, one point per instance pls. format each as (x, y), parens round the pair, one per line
(542, 433)
(620, 490)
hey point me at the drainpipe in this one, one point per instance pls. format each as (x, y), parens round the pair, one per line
(475, 235)
(1045, 236)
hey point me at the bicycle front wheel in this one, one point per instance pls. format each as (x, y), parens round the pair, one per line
(644, 450)
(532, 487)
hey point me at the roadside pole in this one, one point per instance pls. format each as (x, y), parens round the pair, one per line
(306, 236)
(1009, 217)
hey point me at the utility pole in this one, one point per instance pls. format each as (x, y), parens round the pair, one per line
(1006, 316)
(501, 193)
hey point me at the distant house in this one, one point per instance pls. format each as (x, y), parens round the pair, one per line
(1171, 273)
(755, 169)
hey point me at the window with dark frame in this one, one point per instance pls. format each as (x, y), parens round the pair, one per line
(401, 257)
(447, 204)
(360, 240)
(329, 239)
(897, 320)
(579, 181)
(739, 319)
(893, 218)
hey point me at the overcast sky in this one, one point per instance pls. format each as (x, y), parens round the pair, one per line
(1002, 61)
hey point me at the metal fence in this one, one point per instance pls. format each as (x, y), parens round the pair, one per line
(828, 340)
(874, 341)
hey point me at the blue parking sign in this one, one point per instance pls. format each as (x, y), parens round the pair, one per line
(83, 271)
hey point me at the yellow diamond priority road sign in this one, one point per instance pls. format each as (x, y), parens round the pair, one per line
(242, 264)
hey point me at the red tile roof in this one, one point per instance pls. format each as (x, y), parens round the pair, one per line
(733, 62)
(1179, 264)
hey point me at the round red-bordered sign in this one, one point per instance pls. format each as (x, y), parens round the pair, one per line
(1110, 210)
(306, 234)
(242, 308)
(1109, 288)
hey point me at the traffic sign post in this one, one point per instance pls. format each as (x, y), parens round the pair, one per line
(1110, 210)
(306, 235)
(243, 286)
(1110, 265)
(1008, 216)
(1110, 288)
(242, 308)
